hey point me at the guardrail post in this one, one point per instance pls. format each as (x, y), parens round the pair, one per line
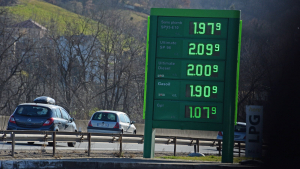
(89, 147)
(219, 143)
(174, 139)
(121, 144)
(197, 145)
(239, 144)
(54, 142)
(13, 144)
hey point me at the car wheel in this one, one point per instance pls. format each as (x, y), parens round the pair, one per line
(30, 143)
(71, 144)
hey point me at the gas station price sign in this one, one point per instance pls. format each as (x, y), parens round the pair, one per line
(191, 71)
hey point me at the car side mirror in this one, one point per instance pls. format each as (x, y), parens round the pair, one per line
(132, 122)
(72, 119)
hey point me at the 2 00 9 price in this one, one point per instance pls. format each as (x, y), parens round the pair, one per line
(202, 70)
(209, 112)
(204, 49)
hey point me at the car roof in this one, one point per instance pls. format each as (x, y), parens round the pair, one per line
(109, 111)
(39, 104)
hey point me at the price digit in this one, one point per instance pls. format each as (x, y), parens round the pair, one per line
(209, 48)
(214, 110)
(215, 67)
(192, 47)
(215, 89)
(212, 27)
(207, 111)
(190, 68)
(202, 28)
(218, 26)
(217, 47)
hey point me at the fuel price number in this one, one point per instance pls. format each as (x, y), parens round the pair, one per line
(197, 112)
(205, 28)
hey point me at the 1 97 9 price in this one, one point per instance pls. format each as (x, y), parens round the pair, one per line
(205, 28)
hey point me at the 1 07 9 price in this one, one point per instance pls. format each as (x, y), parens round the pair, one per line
(200, 112)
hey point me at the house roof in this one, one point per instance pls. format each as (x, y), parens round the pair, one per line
(29, 24)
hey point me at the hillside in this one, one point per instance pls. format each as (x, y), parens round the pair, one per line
(47, 14)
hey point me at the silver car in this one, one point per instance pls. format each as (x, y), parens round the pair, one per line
(108, 121)
(239, 132)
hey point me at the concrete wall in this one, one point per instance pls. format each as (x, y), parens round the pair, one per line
(82, 124)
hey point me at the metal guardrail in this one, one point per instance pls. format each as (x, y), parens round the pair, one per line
(53, 136)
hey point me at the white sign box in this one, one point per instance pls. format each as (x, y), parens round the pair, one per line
(254, 128)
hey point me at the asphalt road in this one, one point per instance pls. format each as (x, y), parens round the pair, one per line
(110, 146)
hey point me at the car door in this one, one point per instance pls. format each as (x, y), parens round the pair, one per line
(124, 123)
(59, 120)
(66, 117)
(130, 126)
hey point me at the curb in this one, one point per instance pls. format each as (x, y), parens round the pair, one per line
(116, 163)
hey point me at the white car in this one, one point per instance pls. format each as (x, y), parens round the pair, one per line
(108, 121)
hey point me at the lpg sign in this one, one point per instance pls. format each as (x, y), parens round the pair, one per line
(254, 121)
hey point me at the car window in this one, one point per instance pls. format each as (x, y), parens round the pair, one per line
(64, 113)
(127, 118)
(57, 113)
(123, 120)
(36, 111)
(240, 128)
(103, 116)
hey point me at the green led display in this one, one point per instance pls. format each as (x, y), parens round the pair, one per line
(205, 28)
(204, 91)
(192, 27)
(204, 49)
(206, 112)
(202, 70)
(188, 111)
(190, 69)
(189, 90)
(211, 49)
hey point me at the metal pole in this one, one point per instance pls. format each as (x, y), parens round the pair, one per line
(54, 142)
(239, 143)
(13, 144)
(89, 146)
(198, 145)
(174, 146)
(219, 143)
(121, 144)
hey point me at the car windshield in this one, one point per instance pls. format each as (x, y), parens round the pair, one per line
(103, 116)
(35, 111)
(240, 128)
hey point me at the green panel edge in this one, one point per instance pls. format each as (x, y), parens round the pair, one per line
(195, 13)
(146, 67)
(238, 73)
